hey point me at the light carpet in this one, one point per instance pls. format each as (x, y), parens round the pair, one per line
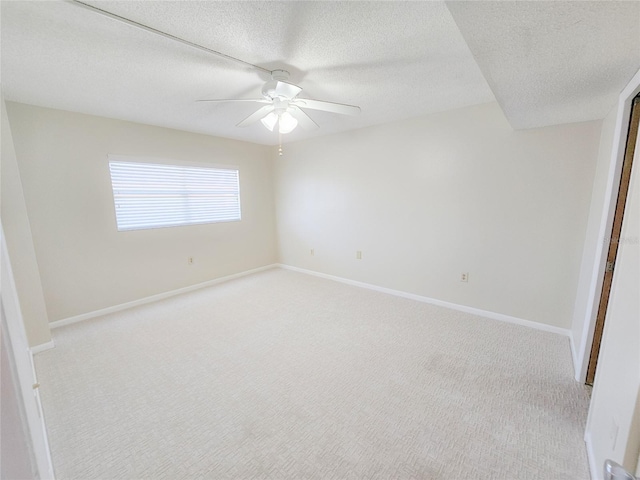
(282, 375)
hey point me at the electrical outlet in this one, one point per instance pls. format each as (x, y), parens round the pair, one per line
(190, 260)
(313, 252)
(464, 277)
(359, 255)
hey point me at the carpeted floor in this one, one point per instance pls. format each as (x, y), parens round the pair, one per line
(282, 375)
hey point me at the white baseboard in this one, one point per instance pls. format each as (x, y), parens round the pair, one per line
(42, 347)
(462, 308)
(574, 356)
(161, 296)
(155, 298)
(595, 473)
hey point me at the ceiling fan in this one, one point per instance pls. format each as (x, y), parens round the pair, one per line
(284, 108)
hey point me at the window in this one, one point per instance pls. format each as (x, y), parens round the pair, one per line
(148, 195)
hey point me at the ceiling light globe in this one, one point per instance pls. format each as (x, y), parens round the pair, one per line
(287, 122)
(270, 121)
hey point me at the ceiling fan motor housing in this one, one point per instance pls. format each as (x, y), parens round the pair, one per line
(269, 89)
(279, 87)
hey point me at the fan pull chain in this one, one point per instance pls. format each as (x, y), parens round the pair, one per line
(280, 143)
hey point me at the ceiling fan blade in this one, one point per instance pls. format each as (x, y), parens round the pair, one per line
(340, 108)
(288, 90)
(257, 115)
(304, 120)
(255, 100)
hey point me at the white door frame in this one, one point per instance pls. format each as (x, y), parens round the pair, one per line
(615, 167)
(22, 359)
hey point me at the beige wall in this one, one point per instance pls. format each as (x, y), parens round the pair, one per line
(429, 198)
(85, 263)
(17, 228)
(611, 428)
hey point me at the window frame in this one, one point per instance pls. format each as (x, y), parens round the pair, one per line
(171, 163)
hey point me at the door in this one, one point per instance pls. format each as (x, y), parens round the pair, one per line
(22, 371)
(614, 239)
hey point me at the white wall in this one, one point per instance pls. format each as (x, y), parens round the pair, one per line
(85, 263)
(19, 241)
(429, 198)
(593, 242)
(615, 392)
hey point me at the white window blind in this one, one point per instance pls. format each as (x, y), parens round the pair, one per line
(148, 195)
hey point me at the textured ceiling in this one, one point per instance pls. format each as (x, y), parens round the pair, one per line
(546, 62)
(394, 59)
(553, 62)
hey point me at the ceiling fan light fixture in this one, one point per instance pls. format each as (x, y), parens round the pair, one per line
(270, 121)
(287, 122)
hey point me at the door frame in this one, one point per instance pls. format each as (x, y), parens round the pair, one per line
(21, 363)
(614, 238)
(606, 222)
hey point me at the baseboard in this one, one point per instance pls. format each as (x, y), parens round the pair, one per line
(161, 296)
(593, 470)
(155, 298)
(42, 347)
(574, 357)
(462, 308)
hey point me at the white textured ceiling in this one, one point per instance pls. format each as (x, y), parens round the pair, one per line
(552, 62)
(395, 60)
